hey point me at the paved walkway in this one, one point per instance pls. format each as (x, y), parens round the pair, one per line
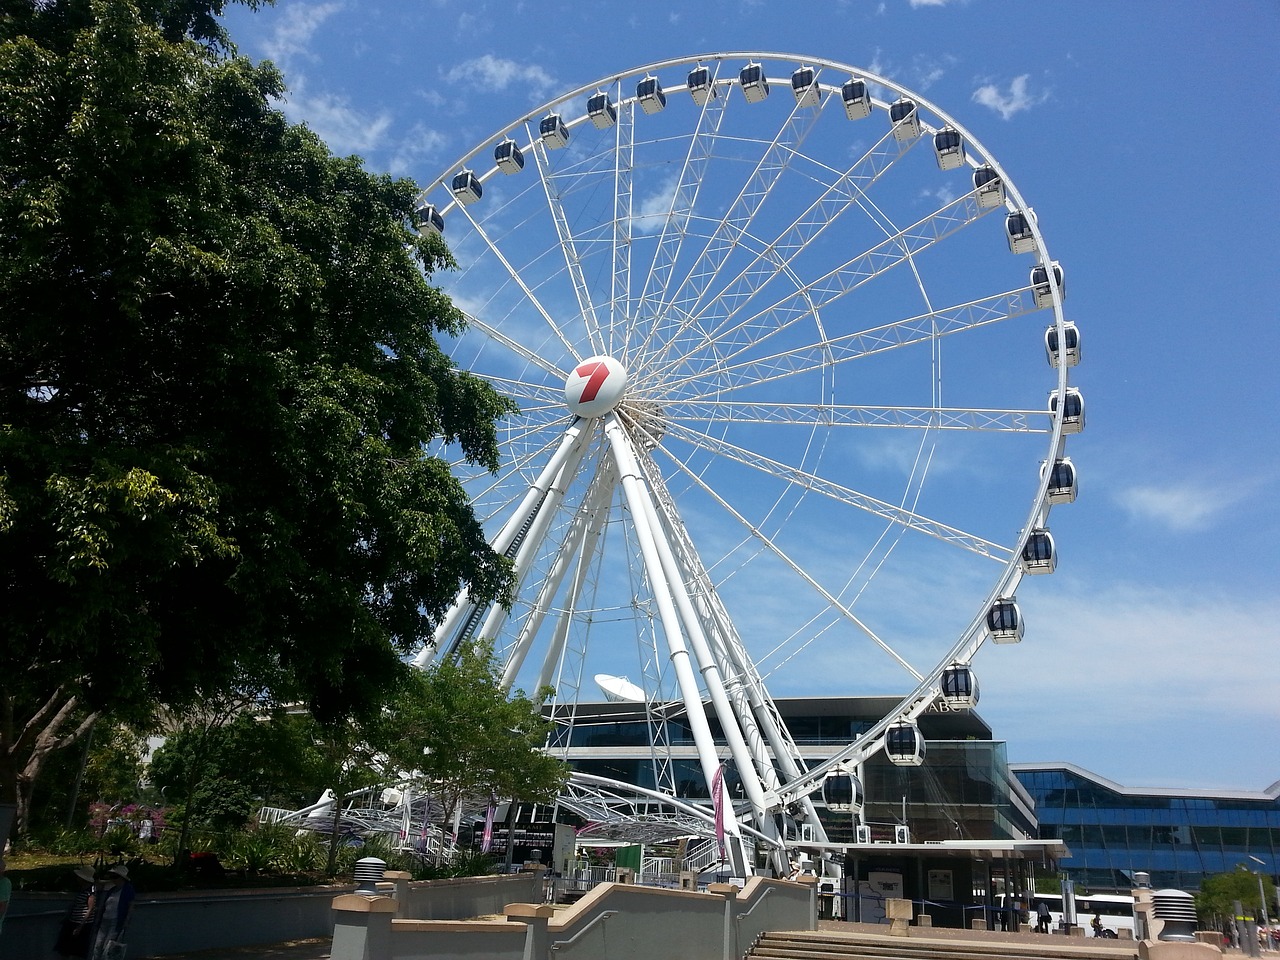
(289, 950)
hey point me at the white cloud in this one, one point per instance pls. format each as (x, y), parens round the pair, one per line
(497, 73)
(929, 3)
(345, 129)
(294, 31)
(654, 208)
(1140, 682)
(1189, 507)
(1015, 99)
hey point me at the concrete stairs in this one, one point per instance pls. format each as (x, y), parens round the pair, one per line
(865, 945)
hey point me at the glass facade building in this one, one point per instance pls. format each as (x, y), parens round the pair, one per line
(1177, 836)
(964, 790)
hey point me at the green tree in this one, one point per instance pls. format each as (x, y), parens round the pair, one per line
(458, 733)
(1219, 892)
(221, 380)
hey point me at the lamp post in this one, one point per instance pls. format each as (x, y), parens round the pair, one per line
(1262, 898)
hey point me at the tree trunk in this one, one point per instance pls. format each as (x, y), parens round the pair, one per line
(24, 752)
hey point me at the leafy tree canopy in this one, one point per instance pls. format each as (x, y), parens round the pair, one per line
(219, 375)
(1219, 893)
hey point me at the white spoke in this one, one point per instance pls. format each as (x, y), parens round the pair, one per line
(858, 415)
(837, 492)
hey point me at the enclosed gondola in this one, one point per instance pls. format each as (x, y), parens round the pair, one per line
(903, 744)
(466, 187)
(857, 98)
(428, 219)
(1004, 621)
(1017, 230)
(553, 131)
(948, 147)
(988, 186)
(959, 687)
(509, 157)
(1038, 554)
(601, 111)
(1072, 409)
(842, 791)
(905, 119)
(805, 87)
(1062, 481)
(1064, 349)
(701, 85)
(1040, 286)
(649, 93)
(755, 85)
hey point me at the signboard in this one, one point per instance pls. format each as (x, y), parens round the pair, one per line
(940, 886)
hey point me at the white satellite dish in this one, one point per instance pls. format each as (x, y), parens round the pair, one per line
(618, 689)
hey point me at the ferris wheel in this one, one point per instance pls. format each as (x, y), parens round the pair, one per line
(792, 368)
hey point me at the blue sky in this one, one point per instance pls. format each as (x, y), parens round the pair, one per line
(1143, 135)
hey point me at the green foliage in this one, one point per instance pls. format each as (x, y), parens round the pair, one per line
(222, 378)
(1219, 892)
(479, 740)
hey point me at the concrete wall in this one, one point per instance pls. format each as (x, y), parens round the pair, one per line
(182, 922)
(178, 922)
(462, 898)
(618, 921)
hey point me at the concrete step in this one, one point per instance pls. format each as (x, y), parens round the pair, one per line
(826, 945)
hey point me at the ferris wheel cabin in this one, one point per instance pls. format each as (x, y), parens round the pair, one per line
(700, 85)
(857, 98)
(1072, 409)
(649, 93)
(1040, 284)
(509, 157)
(466, 187)
(553, 131)
(1062, 481)
(959, 687)
(948, 147)
(842, 791)
(428, 219)
(989, 187)
(1017, 230)
(601, 111)
(1069, 351)
(903, 744)
(905, 119)
(1038, 555)
(755, 86)
(805, 89)
(1004, 621)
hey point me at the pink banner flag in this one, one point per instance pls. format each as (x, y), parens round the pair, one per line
(717, 801)
(487, 840)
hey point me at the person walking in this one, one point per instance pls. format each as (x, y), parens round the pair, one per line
(76, 934)
(112, 915)
(1042, 918)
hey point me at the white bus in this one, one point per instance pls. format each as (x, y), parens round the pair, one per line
(1113, 910)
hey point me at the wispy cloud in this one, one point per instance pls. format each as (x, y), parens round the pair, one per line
(498, 73)
(1013, 99)
(1186, 507)
(293, 33)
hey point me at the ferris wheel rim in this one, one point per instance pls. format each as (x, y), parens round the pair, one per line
(973, 636)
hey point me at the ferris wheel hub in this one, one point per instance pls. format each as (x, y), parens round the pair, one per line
(595, 386)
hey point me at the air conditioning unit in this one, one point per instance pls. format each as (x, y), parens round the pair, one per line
(864, 833)
(901, 834)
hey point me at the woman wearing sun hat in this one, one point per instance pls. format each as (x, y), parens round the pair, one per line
(76, 935)
(112, 914)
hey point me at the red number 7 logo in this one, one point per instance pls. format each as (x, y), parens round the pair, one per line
(598, 371)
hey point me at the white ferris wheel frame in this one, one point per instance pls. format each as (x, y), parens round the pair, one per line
(703, 644)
